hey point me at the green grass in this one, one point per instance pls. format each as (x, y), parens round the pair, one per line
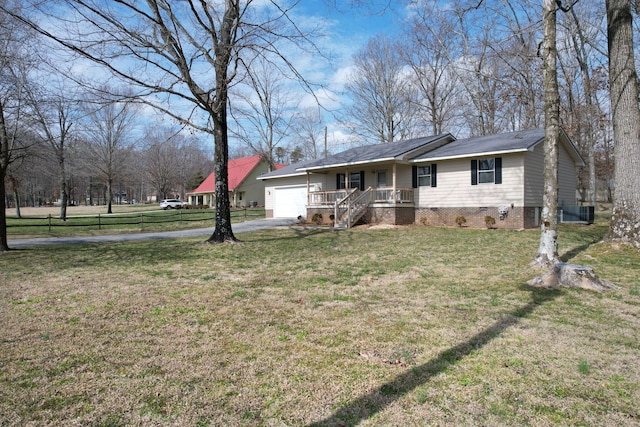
(406, 326)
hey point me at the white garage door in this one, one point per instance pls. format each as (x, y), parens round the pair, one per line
(290, 202)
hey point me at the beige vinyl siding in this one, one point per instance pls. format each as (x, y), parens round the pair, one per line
(455, 190)
(403, 175)
(534, 176)
(252, 187)
(566, 179)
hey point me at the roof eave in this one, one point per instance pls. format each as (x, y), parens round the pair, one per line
(345, 164)
(264, 178)
(579, 161)
(463, 156)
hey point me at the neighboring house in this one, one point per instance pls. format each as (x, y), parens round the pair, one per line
(244, 187)
(429, 180)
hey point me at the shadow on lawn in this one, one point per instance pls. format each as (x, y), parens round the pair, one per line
(298, 233)
(377, 400)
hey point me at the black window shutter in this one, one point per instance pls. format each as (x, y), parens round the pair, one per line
(474, 172)
(498, 166)
(414, 176)
(434, 181)
(361, 180)
(338, 175)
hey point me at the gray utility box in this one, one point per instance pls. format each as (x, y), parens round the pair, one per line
(576, 214)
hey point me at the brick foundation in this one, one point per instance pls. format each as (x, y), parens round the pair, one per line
(325, 212)
(516, 218)
(396, 215)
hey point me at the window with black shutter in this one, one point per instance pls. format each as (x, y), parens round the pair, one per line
(486, 171)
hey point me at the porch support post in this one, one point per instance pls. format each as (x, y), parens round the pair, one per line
(308, 194)
(394, 183)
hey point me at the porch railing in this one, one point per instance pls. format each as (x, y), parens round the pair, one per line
(379, 195)
(326, 197)
(351, 208)
(389, 195)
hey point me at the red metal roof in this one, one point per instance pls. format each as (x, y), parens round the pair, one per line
(238, 171)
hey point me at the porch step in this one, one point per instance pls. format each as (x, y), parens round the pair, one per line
(355, 217)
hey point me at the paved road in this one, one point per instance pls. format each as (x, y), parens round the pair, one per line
(241, 227)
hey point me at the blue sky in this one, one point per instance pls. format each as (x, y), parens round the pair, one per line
(347, 31)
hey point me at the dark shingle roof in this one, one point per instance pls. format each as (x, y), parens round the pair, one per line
(479, 145)
(378, 152)
(437, 147)
(290, 170)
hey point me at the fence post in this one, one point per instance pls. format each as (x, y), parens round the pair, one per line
(49, 223)
(99, 223)
(141, 220)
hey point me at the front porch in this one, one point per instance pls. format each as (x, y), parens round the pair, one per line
(344, 208)
(388, 195)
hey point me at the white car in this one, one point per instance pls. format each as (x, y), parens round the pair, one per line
(172, 204)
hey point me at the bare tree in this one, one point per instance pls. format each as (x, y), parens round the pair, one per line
(522, 74)
(584, 116)
(160, 165)
(187, 53)
(171, 160)
(53, 114)
(263, 111)
(381, 93)
(625, 220)
(15, 64)
(431, 44)
(107, 133)
(310, 132)
(547, 254)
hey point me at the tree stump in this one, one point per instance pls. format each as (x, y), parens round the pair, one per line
(571, 276)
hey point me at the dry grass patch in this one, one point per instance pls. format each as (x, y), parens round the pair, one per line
(406, 326)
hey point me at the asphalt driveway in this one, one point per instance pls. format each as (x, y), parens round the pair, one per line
(241, 227)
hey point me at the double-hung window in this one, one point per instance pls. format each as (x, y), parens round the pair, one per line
(486, 171)
(356, 180)
(424, 176)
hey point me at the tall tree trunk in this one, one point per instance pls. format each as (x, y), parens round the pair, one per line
(4, 166)
(63, 187)
(109, 194)
(625, 219)
(4, 245)
(16, 194)
(222, 231)
(548, 250)
(16, 197)
(579, 44)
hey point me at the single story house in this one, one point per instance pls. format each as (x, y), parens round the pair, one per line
(430, 180)
(244, 187)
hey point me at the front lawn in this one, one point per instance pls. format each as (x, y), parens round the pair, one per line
(375, 327)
